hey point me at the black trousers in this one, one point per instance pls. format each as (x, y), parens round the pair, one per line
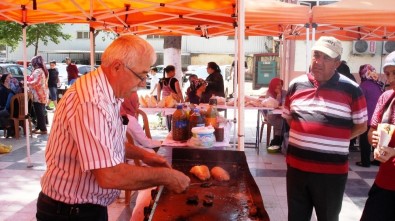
(380, 205)
(306, 190)
(366, 148)
(39, 109)
(49, 209)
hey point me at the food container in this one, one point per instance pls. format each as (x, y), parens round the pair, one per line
(203, 136)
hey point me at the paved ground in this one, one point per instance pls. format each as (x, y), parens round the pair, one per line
(20, 185)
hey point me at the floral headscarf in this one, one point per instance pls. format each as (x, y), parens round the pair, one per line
(196, 83)
(38, 62)
(368, 73)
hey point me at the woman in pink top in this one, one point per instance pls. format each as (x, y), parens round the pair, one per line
(37, 82)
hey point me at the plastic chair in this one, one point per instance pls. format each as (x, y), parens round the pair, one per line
(129, 137)
(145, 122)
(18, 114)
(128, 193)
(268, 130)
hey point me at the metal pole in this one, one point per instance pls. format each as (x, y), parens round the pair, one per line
(29, 162)
(92, 54)
(308, 53)
(241, 72)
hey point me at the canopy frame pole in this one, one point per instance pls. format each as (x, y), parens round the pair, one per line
(308, 53)
(27, 126)
(92, 48)
(235, 87)
(241, 72)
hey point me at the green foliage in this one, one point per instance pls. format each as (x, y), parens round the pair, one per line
(45, 33)
(11, 34)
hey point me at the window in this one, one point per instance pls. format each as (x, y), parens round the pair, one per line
(154, 37)
(82, 34)
(233, 37)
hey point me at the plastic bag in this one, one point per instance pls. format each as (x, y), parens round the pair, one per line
(5, 148)
(270, 102)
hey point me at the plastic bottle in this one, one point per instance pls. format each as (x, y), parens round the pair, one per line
(212, 113)
(187, 109)
(179, 124)
(195, 120)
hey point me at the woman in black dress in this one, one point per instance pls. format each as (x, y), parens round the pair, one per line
(215, 83)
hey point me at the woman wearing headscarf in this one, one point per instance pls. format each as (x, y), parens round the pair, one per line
(381, 201)
(5, 95)
(37, 82)
(215, 83)
(276, 91)
(372, 88)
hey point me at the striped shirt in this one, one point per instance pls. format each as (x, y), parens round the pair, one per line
(322, 120)
(87, 133)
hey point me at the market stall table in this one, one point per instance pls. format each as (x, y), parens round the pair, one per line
(169, 111)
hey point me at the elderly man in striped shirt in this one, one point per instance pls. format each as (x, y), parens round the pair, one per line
(86, 148)
(324, 111)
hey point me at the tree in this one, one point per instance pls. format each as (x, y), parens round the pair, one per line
(172, 53)
(11, 34)
(44, 33)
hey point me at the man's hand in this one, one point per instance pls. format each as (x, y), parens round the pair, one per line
(179, 182)
(155, 160)
(383, 154)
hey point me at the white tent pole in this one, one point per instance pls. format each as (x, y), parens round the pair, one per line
(235, 87)
(284, 58)
(29, 161)
(308, 54)
(313, 33)
(241, 72)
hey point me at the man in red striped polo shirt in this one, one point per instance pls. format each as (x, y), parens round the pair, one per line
(86, 148)
(324, 111)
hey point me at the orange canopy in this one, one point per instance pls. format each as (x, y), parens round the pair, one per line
(356, 19)
(162, 17)
(274, 18)
(137, 16)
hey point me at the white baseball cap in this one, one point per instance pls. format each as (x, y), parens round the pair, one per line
(389, 60)
(328, 45)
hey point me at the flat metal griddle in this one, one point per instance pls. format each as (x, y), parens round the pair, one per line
(232, 199)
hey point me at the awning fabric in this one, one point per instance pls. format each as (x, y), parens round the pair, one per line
(162, 17)
(356, 19)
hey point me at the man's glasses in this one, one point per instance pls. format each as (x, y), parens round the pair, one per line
(142, 79)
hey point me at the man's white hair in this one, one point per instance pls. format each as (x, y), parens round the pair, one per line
(129, 49)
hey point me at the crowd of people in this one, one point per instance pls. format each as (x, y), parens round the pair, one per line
(323, 110)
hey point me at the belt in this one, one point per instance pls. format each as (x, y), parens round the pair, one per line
(70, 209)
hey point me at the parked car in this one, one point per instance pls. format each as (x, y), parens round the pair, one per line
(15, 69)
(83, 69)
